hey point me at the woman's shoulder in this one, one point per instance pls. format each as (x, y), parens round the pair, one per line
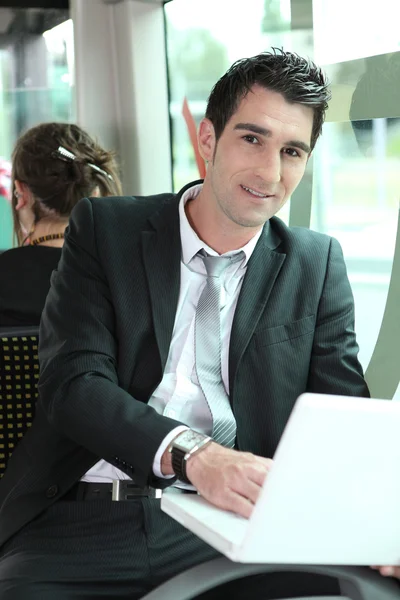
(30, 260)
(24, 283)
(24, 253)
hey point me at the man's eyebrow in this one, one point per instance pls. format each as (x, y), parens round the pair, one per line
(300, 145)
(267, 133)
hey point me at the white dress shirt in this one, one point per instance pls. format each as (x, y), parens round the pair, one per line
(179, 395)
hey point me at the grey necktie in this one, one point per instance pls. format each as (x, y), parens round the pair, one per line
(208, 349)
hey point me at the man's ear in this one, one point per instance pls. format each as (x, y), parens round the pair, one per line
(23, 195)
(206, 140)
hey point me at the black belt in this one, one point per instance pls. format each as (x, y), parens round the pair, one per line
(118, 490)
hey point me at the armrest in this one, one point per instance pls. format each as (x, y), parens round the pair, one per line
(356, 583)
(19, 331)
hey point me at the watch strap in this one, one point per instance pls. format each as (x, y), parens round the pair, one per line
(179, 464)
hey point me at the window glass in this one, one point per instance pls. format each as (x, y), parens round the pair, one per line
(36, 84)
(352, 186)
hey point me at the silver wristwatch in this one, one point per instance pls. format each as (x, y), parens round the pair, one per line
(183, 447)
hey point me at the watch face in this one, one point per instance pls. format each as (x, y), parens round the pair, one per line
(188, 439)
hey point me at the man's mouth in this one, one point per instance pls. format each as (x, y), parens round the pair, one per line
(255, 192)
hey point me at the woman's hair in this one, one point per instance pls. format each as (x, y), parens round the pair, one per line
(60, 163)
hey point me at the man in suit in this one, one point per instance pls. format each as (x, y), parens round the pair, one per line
(122, 388)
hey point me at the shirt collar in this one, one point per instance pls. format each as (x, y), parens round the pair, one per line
(192, 244)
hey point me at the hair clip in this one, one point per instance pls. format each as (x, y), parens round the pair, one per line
(66, 155)
(96, 168)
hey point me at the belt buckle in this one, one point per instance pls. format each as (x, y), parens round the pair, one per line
(124, 489)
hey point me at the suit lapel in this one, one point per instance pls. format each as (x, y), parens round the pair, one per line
(162, 251)
(262, 271)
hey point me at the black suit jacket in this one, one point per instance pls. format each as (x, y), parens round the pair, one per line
(106, 331)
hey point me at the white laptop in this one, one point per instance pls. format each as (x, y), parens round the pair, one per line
(332, 497)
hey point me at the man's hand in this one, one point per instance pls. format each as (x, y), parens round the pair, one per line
(388, 571)
(227, 478)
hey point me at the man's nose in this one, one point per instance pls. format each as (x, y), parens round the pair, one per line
(269, 168)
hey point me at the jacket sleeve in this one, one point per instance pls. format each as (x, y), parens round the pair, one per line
(78, 352)
(334, 367)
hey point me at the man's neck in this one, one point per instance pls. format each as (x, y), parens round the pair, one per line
(215, 230)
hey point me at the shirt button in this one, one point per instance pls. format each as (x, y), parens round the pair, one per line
(52, 491)
(171, 413)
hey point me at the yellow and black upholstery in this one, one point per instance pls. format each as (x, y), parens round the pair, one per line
(19, 374)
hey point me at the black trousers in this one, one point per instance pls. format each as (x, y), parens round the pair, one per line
(118, 550)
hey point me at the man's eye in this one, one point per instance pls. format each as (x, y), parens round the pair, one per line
(291, 152)
(251, 139)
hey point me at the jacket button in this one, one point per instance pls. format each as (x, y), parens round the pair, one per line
(52, 491)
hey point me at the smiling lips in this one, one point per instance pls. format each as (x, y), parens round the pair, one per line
(255, 193)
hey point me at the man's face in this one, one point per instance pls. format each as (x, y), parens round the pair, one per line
(259, 158)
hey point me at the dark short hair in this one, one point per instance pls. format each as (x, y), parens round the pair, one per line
(298, 79)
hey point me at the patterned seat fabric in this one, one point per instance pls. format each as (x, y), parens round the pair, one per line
(19, 374)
